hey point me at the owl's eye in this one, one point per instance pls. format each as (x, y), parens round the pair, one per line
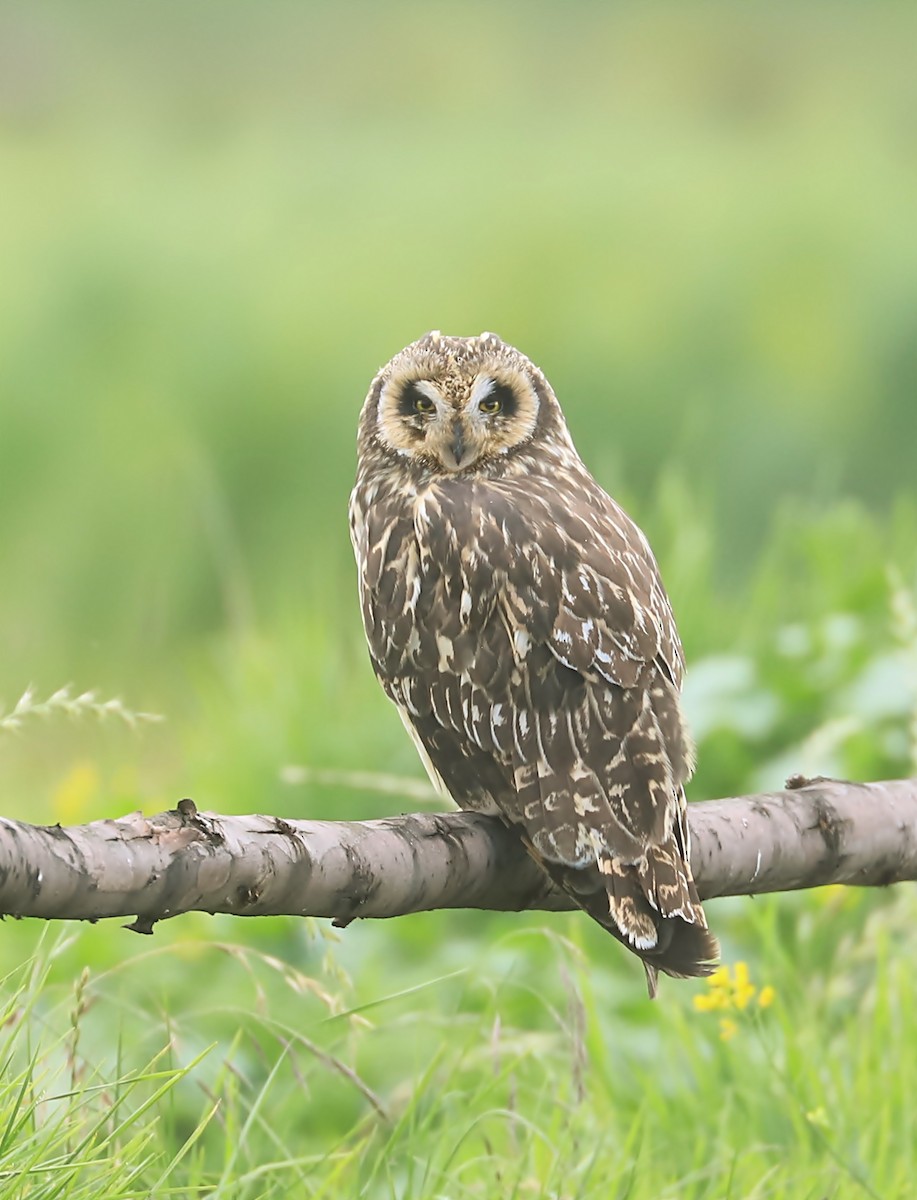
(500, 399)
(414, 401)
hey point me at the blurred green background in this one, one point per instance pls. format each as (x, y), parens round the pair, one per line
(218, 220)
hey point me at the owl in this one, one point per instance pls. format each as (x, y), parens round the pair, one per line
(516, 617)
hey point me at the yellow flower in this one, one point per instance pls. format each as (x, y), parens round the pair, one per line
(711, 1001)
(719, 978)
(731, 990)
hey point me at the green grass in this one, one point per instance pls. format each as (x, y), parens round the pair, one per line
(530, 1068)
(217, 222)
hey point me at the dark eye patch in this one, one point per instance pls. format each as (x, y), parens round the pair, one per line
(413, 400)
(500, 399)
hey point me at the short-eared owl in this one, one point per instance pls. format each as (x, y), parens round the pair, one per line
(516, 617)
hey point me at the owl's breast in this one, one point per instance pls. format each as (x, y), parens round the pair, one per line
(455, 584)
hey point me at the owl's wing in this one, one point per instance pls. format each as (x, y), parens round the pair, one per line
(599, 749)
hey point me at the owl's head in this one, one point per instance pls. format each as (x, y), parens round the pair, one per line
(452, 404)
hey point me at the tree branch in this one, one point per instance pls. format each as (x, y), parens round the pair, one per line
(816, 832)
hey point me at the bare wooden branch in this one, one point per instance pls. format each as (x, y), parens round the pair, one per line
(151, 868)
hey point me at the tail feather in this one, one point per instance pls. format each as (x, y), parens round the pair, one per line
(667, 928)
(676, 943)
(684, 951)
(665, 879)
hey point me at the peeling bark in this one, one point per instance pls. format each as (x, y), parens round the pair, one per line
(816, 832)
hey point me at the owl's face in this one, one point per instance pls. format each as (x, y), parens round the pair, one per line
(454, 405)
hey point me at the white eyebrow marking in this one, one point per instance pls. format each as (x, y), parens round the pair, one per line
(427, 388)
(483, 386)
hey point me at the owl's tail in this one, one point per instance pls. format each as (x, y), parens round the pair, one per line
(668, 932)
(656, 911)
(691, 952)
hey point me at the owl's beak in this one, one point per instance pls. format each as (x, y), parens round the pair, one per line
(457, 445)
(457, 450)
